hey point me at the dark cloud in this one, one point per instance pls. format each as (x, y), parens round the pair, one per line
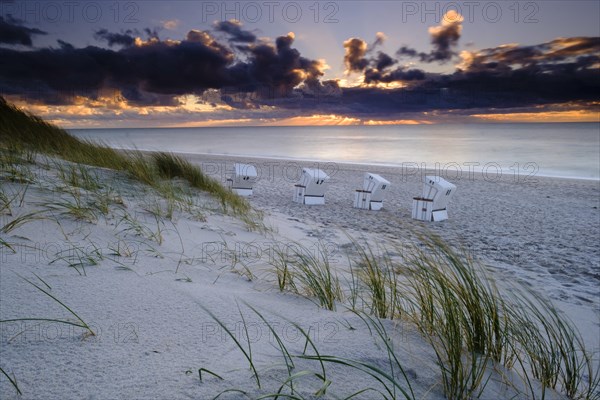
(399, 74)
(561, 71)
(408, 51)
(274, 71)
(65, 45)
(152, 33)
(359, 58)
(313, 88)
(574, 46)
(354, 59)
(201, 37)
(384, 61)
(379, 39)
(240, 101)
(444, 39)
(123, 39)
(284, 43)
(154, 67)
(156, 71)
(13, 32)
(142, 98)
(191, 66)
(558, 54)
(249, 75)
(234, 29)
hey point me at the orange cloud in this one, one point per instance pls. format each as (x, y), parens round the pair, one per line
(314, 120)
(171, 24)
(543, 116)
(397, 122)
(217, 122)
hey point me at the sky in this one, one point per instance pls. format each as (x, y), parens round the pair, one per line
(102, 64)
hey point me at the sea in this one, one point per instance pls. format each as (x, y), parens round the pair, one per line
(568, 150)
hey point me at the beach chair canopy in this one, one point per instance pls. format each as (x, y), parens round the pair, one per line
(314, 180)
(439, 190)
(376, 185)
(244, 176)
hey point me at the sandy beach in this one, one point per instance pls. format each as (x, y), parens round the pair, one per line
(143, 283)
(537, 229)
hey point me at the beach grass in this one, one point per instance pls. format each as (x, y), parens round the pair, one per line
(23, 135)
(459, 311)
(376, 273)
(246, 351)
(549, 345)
(47, 291)
(299, 383)
(470, 324)
(394, 380)
(22, 220)
(78, 323)
(12, 380)
(307, 271)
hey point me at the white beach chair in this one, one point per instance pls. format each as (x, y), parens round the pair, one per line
(242, 179)
(433, 203)
(311, 188)
(370, 197)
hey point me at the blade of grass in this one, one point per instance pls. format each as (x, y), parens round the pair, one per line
(232, 336)
(84, 325)
(21, 220)
(286, 355)
(200, 370)
(231, 391)
(12, 381)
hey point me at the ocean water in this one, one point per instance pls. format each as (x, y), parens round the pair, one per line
(561, 150)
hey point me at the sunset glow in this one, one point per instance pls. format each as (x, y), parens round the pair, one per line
(549, 116)
(171, 65)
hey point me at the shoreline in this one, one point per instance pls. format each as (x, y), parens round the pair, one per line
(396, 169)
(266, 159)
